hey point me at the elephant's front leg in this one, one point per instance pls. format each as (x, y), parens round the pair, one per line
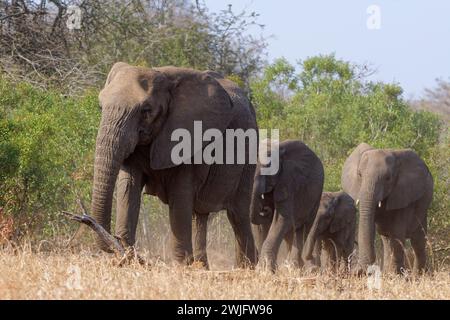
(181, 198)
(281, 225)
(200, 225)
(129, 189)
(387, 254)
(329, 254)
(396, 234)
(317, 252)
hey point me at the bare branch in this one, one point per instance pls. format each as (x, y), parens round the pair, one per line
(111, 241)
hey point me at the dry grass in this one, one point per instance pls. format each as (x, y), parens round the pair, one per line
(57, 274)
(45, 271)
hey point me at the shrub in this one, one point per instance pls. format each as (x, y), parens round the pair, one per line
(46, 152)
(332, 107)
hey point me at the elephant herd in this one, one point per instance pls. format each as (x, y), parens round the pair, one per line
(141, 108)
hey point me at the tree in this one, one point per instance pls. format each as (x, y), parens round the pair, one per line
(332, 107)
(36, 46)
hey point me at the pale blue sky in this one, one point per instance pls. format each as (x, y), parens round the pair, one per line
(412, 46)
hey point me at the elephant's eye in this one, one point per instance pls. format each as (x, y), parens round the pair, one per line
(147, 111)
(146, 108)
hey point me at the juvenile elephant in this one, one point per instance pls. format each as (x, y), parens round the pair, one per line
(141, 109)
(333, 230)
(284, 204)
(394, 189)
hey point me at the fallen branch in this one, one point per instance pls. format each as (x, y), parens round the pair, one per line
(112, 242)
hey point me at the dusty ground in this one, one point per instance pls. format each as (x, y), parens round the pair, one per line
(25, 274)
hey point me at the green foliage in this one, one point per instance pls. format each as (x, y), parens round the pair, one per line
(47, 140)
(46, 151)
(330, 106)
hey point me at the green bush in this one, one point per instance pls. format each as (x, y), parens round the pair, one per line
(47, 140)
(46, 152)
(330, 106)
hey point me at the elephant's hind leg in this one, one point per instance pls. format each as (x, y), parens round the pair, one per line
(200, 227)
(245, 246)
(330, 254)
(297, 246)
(419, 237)
(397, 246)
(238, 213)
(418, 243)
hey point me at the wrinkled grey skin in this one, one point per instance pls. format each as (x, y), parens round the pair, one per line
(140, 109)
(394, 189)
(284, 205)
(333, 230)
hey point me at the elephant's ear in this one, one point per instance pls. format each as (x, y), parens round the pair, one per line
(290, 178)
(410, 181)
(350, 180)
(194, 96)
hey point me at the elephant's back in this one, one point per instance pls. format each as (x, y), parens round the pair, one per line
(245, 116)
(306, 158)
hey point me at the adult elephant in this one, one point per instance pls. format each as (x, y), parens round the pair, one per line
(141, 108)
(394, 189)
(284, 204)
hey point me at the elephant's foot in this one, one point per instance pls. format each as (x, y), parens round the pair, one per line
(245, 262)
(359, 270)
(266, 264)
(419, 271)
(310, 266)
(183, 258)
(200, 263)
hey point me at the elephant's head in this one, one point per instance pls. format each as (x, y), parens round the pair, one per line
(284, 179)
(142, 106)
(262, 205)
(265, 186)
(391, 179)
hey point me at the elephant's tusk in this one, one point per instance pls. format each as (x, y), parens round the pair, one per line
(357, 202)
(379, 204)
(262, 214)
(262, 196)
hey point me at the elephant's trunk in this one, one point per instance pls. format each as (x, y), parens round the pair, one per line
(108, 158)
(311, 241)
(366, 230)
(255, 209)
(256, 201)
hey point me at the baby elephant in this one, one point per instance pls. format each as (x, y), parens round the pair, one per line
(333, 230)
(284, 203)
